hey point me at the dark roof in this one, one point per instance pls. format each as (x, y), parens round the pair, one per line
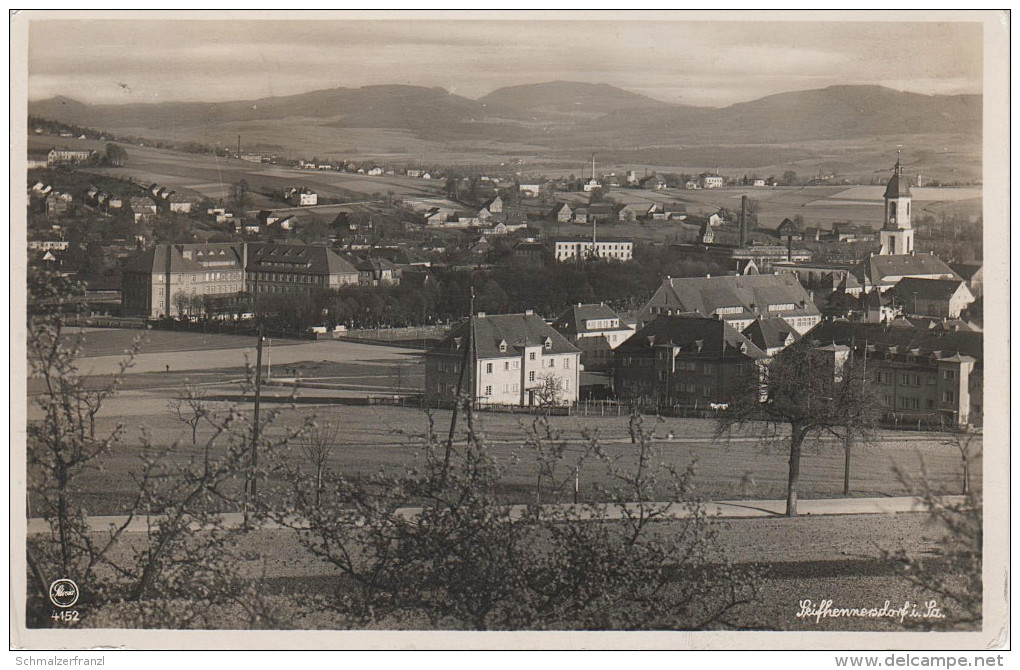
(966, 270)
(154, 260)
(770, 332)
(573, 320)
(754, 293)
(787, 227)
(899, 184)
(926, 289)
(710, 338)
(297, 258)
(901, 333)
(516, 330)
(877, 267)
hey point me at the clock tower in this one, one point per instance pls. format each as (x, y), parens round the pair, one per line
(897, 235)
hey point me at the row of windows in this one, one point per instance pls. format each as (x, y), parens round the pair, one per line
(294, 278)
(915, 403)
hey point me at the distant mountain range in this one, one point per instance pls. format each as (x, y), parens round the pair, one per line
(559, 115)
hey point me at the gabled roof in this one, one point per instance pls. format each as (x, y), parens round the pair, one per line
(710, 338)
(574, 319)
(966, 270)
(753, 293)
(298, 258)
(770, 332)
(154, 260)
(927, 289)
(516, 330)
(875, 268)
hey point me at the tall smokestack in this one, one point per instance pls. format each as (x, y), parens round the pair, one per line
(743, 220)
(593, 166)
(238, 146)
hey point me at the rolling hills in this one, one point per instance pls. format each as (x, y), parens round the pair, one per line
(553, 120)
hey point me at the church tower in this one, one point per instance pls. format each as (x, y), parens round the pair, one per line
(897, 235)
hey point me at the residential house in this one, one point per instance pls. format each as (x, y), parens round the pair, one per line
(933, 297)
(635, 212)
(529, 253)
(426, 176)
(580, 215)
(375, 171)
(596, 331)
(562, 213)
(654, 183)
(374, 271)
(494, 206)
(179, 204)
(688, 361)
(758, 183)
(602, 212)
(737, 300)
(144, 209)
(513, 359)
(577, 249)
(437, 216)
(711, 181)
(692, 185)
(301, 196)
(530, 190)
(926, 372)
(591, 185)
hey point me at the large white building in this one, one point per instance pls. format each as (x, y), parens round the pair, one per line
(580, 249)
(518, 360)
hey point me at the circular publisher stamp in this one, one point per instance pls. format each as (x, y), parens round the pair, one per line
(64, 593)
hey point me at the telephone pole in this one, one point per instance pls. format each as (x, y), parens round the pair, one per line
(251, 488)
(466, 362)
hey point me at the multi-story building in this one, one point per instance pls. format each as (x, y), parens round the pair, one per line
(67, 156)
(594, 329)
(606, 249)
(920, 372)
(295, 268)
(737, 300)
(711, 181)
(518, 360)
(164, 280)
(684, 360)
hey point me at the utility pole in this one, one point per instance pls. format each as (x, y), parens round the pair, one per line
(468, 360)
(253, 496)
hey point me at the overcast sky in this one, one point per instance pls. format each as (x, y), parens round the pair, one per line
(692, 62)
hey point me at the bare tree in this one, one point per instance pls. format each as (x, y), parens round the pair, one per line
(318, 445)
(190, 409)
(810, 392)
(549, 391)
(182, 303)
(440, 543)
(967, 441)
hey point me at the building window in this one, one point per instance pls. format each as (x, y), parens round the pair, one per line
(531, 355)
(488, 368)
(531, 376)
(948, 396)
(566, 363)
(949, 374)
(488, 390)
(506, 365)
(552, 362)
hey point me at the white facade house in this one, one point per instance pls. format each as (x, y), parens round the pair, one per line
(608, 249)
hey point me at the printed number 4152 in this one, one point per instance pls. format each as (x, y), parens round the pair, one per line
(67, 616)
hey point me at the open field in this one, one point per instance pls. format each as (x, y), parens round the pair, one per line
(210, 176)
(819, 205)
(372, 437)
